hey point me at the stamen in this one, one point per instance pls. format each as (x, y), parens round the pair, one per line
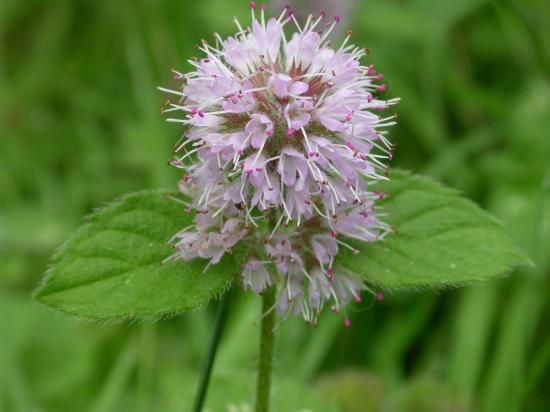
(276, 226)
(252, 10)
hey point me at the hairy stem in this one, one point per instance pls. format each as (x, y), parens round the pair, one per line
(263, 386)
(221, 317)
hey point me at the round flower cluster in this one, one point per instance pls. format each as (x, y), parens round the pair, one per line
(284, 138)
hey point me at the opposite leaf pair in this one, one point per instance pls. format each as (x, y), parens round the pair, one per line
(111, 267)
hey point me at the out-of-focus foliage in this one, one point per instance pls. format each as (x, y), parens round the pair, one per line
(79, 125)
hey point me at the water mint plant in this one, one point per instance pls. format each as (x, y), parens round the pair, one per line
(285, 190)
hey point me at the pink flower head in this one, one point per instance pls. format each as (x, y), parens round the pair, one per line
(285, 133)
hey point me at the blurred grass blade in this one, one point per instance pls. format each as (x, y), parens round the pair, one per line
(146, 365)
(114, 387)
(475, 314)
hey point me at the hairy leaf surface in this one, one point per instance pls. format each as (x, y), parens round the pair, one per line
(112, 266)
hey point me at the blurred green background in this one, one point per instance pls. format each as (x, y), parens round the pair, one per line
(80, 125)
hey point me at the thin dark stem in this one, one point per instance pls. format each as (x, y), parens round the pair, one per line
(263, 387)
(221, 317)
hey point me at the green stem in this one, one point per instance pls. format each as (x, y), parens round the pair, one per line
(221, 317)
(263, 386)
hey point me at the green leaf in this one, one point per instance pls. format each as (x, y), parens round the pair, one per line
(442, 239)
(111, 267)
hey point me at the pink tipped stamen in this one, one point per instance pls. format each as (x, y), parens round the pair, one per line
(379, 194)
